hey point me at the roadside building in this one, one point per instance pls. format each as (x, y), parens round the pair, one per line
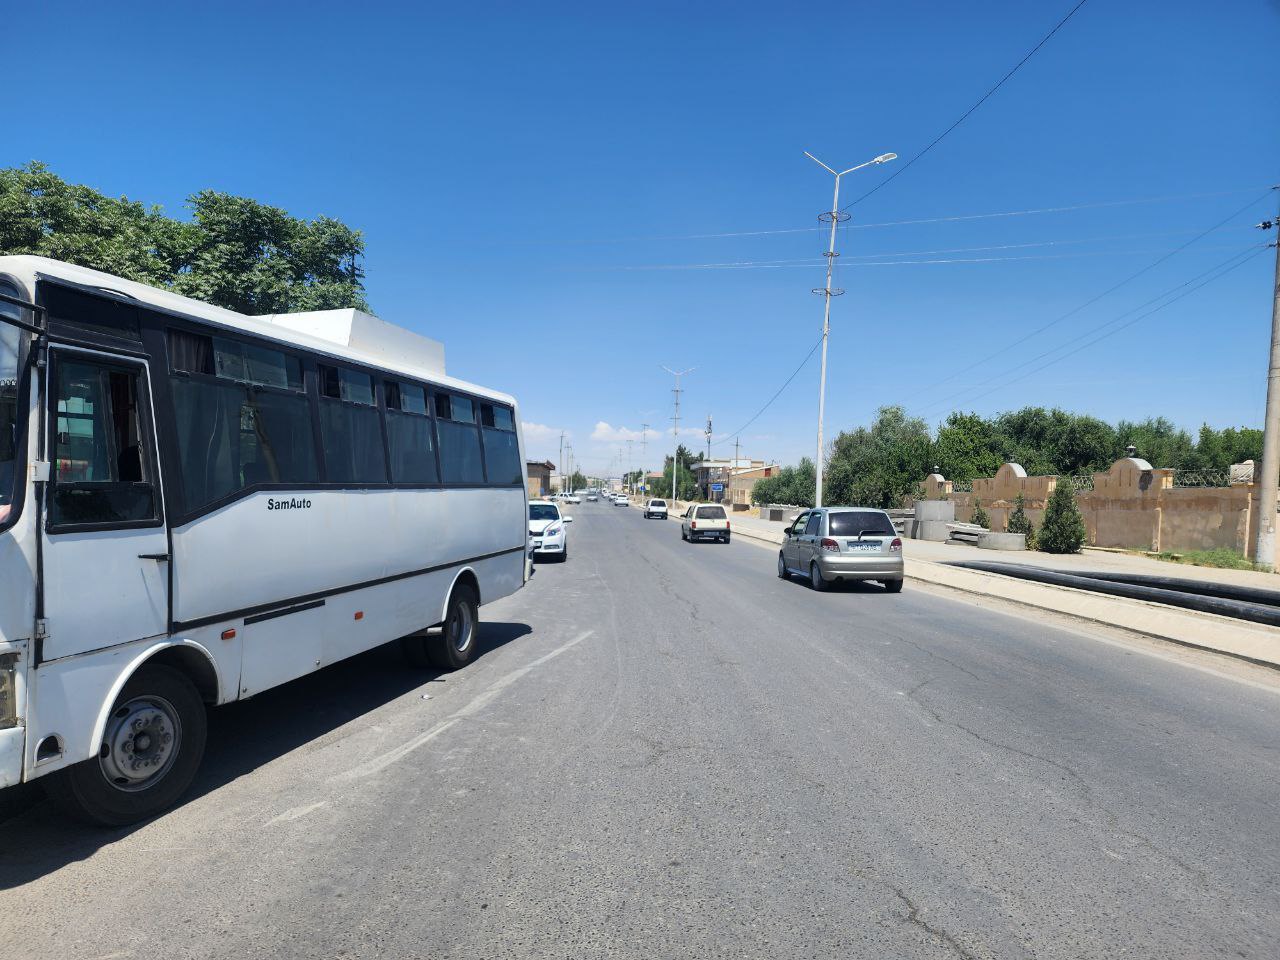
(538, 473)
(713, 476)
(743, 481)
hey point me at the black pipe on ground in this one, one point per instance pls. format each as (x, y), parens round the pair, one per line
(1242, 603)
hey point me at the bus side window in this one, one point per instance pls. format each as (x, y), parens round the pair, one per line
(101, 450)
(501, 451)
(459, 440)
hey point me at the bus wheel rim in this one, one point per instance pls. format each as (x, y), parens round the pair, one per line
(140, 743)
(461, 627)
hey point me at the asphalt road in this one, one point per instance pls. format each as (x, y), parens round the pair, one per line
(665, 751)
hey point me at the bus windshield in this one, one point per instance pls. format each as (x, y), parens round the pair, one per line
(10, 342)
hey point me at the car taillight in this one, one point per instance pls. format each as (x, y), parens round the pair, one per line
(828, 544)
(726, 524)
(693, 524)
(896, 545)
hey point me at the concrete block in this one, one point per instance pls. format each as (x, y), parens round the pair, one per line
(1003, 541)
(936, 511)
(931, 530)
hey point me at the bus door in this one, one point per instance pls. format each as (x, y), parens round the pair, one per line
(105, 550)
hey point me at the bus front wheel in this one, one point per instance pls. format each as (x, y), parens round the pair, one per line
(151, 748)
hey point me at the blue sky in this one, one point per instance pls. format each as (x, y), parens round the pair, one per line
(532, 181)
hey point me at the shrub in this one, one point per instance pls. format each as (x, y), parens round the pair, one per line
(1018, 522)
(980, 516)
(1063, 528)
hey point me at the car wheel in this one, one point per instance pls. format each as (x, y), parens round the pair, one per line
(893, 586)
(564, 554)
(782, 566)
(726, 538)
(151, 748)
(816, 579)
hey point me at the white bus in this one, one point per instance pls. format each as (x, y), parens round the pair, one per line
(197, 505)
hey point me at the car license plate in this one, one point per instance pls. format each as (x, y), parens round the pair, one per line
(862, 546)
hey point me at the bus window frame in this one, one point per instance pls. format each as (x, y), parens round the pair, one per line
(27, 330)
(146, 431)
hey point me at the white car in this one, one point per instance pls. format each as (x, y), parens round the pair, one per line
(547, 534)
(655, 508)
(621, 501)
(573, 498)
(592, 498)
(705, 521)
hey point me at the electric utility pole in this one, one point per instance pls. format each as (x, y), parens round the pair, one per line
(560, 462)
(675, 430)
(834, 217)
(1265, 549)
(630, 479)
(644, 453)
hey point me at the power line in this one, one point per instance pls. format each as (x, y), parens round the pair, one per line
(810, 263)
(1090, 302)
(1214, 273)
(1031, 211)
(807, 357)
(965, 116)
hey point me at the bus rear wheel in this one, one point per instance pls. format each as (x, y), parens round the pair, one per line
(151, 747)
(453, 644)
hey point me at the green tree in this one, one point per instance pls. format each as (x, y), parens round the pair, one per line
(1062, 529)
(1159, 442)
(877, 466)
(967, 447)
(791, 485)
(980, 516)
(233, 252)
(1018, 522)
(577, 481)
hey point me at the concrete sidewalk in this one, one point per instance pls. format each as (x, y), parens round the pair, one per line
(927, 561)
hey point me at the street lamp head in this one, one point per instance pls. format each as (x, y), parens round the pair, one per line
(885, 158)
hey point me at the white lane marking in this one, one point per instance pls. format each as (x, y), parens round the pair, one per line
(475, 705)
(297, 813)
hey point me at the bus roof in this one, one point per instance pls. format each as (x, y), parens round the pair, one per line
(342, 334)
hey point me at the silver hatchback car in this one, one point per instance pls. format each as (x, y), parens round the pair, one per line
(842, 543)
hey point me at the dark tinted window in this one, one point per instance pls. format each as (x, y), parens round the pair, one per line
(90, 312)
(339, 383)
(411, 434)
(241, 417)
(101, 451)
(711, 513)
(815, 521)
(501, 451)
(850, 523)
(460, 452)
(459, 409)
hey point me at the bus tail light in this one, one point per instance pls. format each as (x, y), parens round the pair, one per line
(831, 546)
(8, 691)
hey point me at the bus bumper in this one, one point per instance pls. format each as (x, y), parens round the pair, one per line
(11, 742)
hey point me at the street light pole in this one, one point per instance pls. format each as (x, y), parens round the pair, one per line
(1269, 481)
(675, 430)
(835, 216)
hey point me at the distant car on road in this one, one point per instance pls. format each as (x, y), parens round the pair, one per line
(572, 498)
(842, 543)
(655, 508)
(592, 498)
(547, 534)
(621, 501)
(705, 521)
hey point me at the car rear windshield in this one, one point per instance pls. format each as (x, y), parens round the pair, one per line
(711, 513)
(851, 523)
(543, 511)
(657, 503)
